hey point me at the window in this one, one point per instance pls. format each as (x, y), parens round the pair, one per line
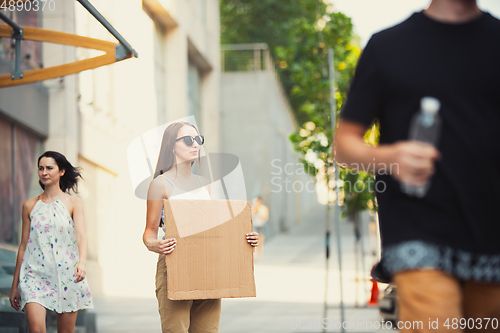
(194, 94)
(30, 50)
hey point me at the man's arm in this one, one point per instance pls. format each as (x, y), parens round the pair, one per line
(408, 161)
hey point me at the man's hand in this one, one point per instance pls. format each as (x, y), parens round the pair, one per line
(413, 162)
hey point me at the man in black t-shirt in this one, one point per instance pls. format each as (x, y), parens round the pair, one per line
(442, 250)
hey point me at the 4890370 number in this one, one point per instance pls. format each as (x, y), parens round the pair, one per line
(471, 323)
(29, 5)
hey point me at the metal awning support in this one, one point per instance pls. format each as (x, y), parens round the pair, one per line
(17, 34)
(95, 13)
(114, 52)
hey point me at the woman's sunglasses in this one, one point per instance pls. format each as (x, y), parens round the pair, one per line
(189, 140)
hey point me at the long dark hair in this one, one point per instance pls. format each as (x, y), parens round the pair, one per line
(70, 178)
(166, 158)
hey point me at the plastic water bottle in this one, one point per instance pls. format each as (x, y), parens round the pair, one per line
(425, 127)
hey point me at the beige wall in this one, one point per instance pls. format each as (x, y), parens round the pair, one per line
(197, 32)
(63, 116)
(96, 114)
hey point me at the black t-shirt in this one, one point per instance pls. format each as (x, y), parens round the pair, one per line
(457, 224)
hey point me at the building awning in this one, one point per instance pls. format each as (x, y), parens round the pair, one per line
(114, 52)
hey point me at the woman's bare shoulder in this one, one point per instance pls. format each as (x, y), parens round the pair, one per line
(158, 188)
(73, 199)
(156, 185)
(159, 181)
(170, 174)
(30, 203)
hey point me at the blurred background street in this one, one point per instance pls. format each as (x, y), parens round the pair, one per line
(263, 80)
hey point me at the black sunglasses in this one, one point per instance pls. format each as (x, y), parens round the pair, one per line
(189, 140)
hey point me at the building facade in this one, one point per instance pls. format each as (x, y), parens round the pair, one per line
(93, 116)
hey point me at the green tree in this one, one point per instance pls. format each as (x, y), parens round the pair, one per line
(299, 33)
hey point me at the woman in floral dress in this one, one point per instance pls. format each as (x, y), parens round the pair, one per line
(50, 267)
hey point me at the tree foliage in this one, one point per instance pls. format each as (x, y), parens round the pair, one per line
(299, 33)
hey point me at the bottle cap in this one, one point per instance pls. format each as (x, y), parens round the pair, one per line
(430, 105)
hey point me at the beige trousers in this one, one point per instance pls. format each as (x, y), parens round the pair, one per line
(445, 304)
(195, 316)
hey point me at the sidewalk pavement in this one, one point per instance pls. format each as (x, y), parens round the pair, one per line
(290, 280)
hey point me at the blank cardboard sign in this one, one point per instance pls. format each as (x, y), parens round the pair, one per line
(212, 258)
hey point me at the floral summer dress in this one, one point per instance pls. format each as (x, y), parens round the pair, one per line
(51, 256)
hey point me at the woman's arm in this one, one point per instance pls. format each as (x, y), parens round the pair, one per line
(262, 212)
(81, 238)
(26, 223)
(154, 207)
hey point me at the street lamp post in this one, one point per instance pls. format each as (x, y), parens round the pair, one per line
(336, 213)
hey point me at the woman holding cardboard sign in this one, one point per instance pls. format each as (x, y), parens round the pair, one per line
(173, 179)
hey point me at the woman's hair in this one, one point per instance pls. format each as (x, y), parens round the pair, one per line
(70, 178)
(166, 158)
